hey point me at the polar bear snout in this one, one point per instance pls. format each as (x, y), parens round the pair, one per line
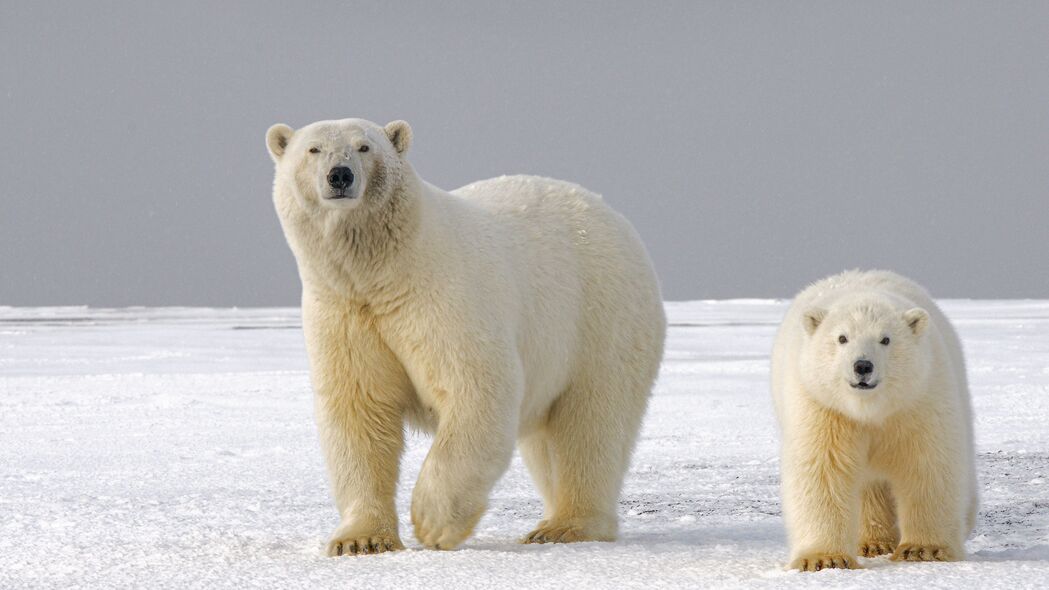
(340, 178)
(864, 372)
(340, 186)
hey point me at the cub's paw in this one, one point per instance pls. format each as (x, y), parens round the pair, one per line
(922, 552)
(555, 531)
(876, 547)
(815, 562)
(363, 544)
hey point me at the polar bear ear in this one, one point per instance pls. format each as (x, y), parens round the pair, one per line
(277, 138)
(916, 319)
(812, 319)
(400, 134)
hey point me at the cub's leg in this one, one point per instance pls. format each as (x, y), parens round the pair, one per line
(360, 395)
(821, 491)
(878, 531)
(931, 497)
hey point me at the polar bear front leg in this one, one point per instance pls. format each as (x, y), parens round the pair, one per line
(821, 490)
(360, 396)
(362, 445)
(930, 498)
(879, 532)
(477, 427)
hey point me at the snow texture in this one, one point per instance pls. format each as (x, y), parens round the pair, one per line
(176, 448)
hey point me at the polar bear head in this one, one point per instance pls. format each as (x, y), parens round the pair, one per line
(865, 356)
(339, 165)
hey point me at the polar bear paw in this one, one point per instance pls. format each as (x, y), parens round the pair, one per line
(568, 532)
(923, 552)
(814, 562)
(876, 547)
(356, 541)
(437, 534)
(443, 521)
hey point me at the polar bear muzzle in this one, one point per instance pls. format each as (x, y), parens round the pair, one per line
(340, 178)
(864, 373)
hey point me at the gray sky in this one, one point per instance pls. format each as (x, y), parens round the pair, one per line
(756, 145)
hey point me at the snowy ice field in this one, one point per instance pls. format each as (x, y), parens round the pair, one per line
(175, 448)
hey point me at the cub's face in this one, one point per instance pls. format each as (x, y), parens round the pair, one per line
(338, 165)
(865, 359)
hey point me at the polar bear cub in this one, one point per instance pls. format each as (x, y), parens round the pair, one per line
(869, 386)
(513, 309)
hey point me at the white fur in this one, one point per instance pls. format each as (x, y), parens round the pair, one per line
(888, 469)
(513, 309)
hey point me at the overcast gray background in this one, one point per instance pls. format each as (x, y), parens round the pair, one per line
(756, 146)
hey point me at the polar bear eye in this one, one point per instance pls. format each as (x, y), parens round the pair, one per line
(842, 339)
(885, 341)
(315, 150)
(363, 148)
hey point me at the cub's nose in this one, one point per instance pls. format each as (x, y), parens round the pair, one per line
(340, 177)
(863, 367)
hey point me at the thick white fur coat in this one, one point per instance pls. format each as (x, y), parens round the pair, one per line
(884, 465)
(518, 309)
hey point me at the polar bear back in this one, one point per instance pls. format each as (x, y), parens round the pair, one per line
(560, 226)
(581, 282)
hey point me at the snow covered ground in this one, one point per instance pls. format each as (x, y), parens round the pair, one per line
(176, 448)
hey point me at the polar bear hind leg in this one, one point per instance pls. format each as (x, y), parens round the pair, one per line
(581, 455)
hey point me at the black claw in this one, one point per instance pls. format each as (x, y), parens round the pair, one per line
(338, 549)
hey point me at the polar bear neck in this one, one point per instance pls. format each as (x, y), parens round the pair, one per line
(358, 254)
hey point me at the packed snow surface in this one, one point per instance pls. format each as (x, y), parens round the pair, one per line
(176, 448)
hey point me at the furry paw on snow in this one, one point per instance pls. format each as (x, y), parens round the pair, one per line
(435, 534)
(815, 562)
(920, 552)
(364, 545)
(876, 547)
(566, 532)
(441, 520)
(357, 538)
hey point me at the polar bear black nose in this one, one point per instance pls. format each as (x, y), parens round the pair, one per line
(863, 367)
(340, 177)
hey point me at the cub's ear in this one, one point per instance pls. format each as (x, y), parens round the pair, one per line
(277, 138)
(812, 319)
(400, 135)
(916, 319)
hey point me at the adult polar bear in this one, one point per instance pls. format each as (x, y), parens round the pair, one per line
(513, 308)
(869, 385)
